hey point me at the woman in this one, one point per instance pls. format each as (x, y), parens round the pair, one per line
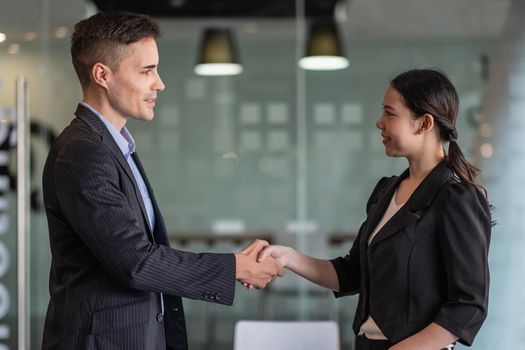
(419, 262)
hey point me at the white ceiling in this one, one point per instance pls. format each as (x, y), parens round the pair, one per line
(365, 19)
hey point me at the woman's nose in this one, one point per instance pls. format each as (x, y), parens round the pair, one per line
(379, 123)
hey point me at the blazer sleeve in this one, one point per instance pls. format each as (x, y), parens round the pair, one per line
(464, 225)
(86, 181)
(348, 268)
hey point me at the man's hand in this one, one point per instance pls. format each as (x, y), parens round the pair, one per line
(255, 274)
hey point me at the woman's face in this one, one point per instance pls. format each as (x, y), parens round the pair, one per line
(399, 129)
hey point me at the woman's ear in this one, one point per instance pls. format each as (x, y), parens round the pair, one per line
(427, 123)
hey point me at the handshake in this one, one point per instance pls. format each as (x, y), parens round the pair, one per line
(259, 264)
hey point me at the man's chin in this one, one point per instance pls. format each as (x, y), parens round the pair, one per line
(147, 117)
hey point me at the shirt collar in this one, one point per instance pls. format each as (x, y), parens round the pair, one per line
(124, 140)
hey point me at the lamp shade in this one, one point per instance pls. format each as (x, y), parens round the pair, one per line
(218, 54)
(324, 50)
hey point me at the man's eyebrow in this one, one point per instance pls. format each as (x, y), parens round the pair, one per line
(150, 66)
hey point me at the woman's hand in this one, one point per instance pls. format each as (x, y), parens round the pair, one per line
(278, 252)
(318, 271)
(431, 337)
(253, 273)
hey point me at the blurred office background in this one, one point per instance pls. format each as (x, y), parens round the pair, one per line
(276, 152)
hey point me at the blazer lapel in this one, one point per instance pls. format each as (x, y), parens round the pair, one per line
(159, 231)
(87, 116)
(400, 220)
(377, 210)
(98, 126)
(420, 199)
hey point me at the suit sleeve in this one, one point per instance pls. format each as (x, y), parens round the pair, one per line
(348, 268)
(464, 231)
(87, 187)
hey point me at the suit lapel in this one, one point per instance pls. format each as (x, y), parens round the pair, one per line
(98, 126)
(109, 141)
(88, 117)
(378, 209)
(159, 231)
(400, 220)
(408, 213)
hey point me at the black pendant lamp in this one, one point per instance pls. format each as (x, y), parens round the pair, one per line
(324, 50)
(218, 54)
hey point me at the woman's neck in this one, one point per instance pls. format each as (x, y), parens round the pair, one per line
(420, 166)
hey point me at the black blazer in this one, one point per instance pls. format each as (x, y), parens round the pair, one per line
(107, 266)
(427, 264)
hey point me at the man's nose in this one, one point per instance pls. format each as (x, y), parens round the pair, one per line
(159, 85)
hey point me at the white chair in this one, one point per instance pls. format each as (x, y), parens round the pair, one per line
(277, 335)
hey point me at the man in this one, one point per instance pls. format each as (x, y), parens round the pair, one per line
(114, 281)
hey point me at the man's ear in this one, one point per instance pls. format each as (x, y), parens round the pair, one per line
(101, 74)
(427, 123)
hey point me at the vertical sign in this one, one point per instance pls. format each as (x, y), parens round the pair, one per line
(5, 224)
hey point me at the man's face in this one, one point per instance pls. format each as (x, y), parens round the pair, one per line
(132, 89)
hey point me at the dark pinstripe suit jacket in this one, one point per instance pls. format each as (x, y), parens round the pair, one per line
(107, 266)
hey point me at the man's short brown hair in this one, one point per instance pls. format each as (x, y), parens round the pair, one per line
(104, 38)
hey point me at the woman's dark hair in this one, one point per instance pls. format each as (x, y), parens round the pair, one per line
(430, 91)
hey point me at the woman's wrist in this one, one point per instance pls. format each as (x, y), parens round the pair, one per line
(288, 258)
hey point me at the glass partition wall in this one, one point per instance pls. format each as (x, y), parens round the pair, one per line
(282, 154)
(277, 152)
(33, 47)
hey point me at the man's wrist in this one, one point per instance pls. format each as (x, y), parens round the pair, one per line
(240, 262)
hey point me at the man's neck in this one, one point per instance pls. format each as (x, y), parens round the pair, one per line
(106, 111)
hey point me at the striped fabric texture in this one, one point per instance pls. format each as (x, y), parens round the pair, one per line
(107, 267)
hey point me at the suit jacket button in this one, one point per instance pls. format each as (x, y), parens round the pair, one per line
(217, 297)
(160, 317)
(205, 295)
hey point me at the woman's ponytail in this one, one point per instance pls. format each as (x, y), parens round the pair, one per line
(460, 166)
